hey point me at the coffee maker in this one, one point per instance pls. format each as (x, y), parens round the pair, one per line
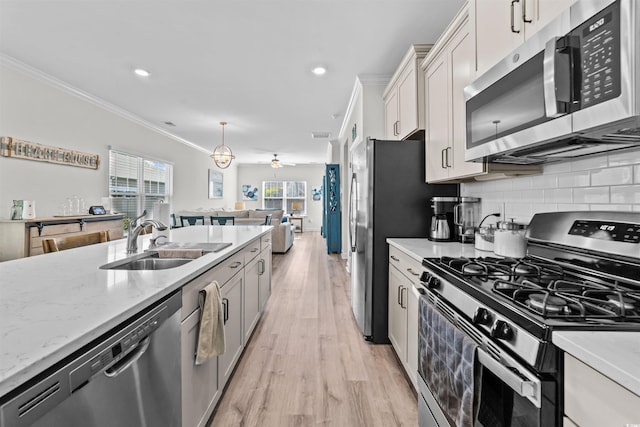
(443, 228)
(467, 218)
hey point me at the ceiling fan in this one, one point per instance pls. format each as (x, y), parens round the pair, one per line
(276, 163)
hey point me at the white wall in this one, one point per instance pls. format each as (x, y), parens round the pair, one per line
(606, 182)
(42, 112)
(254, 175)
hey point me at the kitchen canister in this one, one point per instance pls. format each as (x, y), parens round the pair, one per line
(509, 240)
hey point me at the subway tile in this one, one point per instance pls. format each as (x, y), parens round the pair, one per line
(625, 194)
(544, 181)
(597, 162)
(532, 196)
(591, 195)
(609, 207)
(612, 176)
(624, 157)
(556, 168)
(520, 212)
(636, 208)
(575, 179)
(564, 207)
(636, 174)
(544, 207)
(559, 195)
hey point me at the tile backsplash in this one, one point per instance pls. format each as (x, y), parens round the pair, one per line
(607, 182)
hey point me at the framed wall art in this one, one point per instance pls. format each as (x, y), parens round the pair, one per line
(215, 184)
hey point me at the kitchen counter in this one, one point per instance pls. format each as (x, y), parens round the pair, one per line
(614, 354)
(52, 305)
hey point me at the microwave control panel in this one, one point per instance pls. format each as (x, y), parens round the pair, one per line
(600, 55)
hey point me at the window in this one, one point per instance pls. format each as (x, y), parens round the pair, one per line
(136, 183)
(290, 196)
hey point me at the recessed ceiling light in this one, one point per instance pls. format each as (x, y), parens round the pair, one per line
(141, 72)
(318, 71)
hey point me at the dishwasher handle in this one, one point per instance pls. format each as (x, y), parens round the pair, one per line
(131, 358)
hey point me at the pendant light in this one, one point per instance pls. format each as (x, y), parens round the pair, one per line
(222, 155)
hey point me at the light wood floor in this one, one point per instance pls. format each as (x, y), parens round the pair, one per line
(307, 363)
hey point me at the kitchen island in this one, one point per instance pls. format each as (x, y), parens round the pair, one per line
(53, 305)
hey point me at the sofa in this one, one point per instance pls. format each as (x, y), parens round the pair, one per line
(283, 231)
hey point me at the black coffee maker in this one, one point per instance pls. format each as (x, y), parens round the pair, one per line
(443, 229)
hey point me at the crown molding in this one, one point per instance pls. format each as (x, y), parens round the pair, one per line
(87, 97)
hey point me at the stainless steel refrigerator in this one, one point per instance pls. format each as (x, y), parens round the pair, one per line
(388, 198)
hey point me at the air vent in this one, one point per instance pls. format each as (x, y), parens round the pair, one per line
(320, 135)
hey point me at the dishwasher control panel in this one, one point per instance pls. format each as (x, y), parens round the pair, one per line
(121, 345)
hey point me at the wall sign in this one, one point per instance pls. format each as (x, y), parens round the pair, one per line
(11, 147)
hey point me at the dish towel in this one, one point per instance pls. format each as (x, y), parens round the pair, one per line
(446, 358)
(211, 341)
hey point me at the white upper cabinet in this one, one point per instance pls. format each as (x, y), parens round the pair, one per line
(502, 25)
(447, 69)
(403, 97)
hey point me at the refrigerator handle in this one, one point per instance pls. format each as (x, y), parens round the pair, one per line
(353, 198)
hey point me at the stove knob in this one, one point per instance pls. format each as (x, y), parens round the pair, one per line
(424, 277)
(482, 317)
(501, 330)
(433, 283)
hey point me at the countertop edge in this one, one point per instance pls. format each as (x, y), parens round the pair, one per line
(20, 376)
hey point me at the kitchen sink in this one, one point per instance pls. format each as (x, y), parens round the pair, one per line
(147, 261)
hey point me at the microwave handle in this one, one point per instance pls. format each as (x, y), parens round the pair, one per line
(558, 81)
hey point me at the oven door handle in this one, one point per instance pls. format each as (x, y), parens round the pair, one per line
(524, 387)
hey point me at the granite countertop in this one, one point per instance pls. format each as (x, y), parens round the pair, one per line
(52, 305)
(614, 354)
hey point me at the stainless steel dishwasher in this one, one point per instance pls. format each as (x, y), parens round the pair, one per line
(128, 377)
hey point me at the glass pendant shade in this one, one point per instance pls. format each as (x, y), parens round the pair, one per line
(222, 155)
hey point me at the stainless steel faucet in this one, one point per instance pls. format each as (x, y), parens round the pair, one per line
(135, 230)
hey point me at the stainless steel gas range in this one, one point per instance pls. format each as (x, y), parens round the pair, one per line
(582, 271)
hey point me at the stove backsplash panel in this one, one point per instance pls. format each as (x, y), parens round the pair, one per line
(608, 182)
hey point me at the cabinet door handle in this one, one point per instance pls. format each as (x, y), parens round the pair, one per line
(261, 268)
(399, 295)
(524, 13)
(393, 257)
(413, 273)
(398, 127)
(225, 310)
(235, 264)
(513, 16)
(254, 250)
(442, 160)
(402, 292)
(447, 156)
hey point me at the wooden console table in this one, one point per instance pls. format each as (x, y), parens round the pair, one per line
(23, 238)
(299, 220)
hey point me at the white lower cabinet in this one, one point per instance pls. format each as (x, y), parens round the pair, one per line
(231, 295)
(251, 296)
(241, 291)
(404, 282)
(200, 391)
(265, 275)
(593, 400)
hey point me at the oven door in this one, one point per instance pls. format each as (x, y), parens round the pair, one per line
(506, 392)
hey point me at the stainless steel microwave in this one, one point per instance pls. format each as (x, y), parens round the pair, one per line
(571, 90)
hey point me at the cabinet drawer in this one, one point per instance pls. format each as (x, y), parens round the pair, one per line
(591, 399)
(406, 264)
(251, 251)
(221, 272)
(265, 241)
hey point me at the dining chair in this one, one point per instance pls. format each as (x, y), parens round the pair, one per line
(187, 220)
(267, 219)
(222, 220)
(58, 244)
